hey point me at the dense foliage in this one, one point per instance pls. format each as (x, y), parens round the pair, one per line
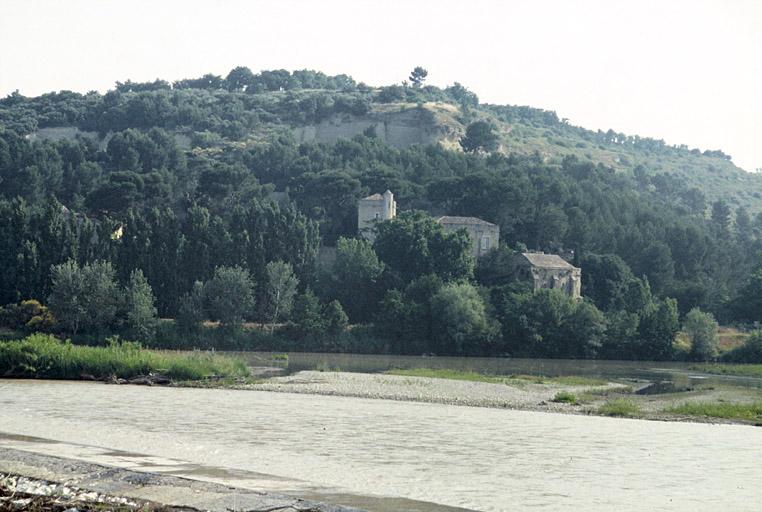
(194, 201)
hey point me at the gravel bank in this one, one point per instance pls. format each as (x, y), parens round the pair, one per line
(516, 395)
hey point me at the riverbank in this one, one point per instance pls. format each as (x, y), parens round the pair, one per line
(43, 483)
(711, 404)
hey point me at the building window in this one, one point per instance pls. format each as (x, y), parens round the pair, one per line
(376, 215)
(485, 243)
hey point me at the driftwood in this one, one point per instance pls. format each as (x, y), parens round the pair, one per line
(152, 379)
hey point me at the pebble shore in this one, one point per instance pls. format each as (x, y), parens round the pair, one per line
(515, 395)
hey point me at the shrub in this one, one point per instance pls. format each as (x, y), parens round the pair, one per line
(28, 315)
(564, 397)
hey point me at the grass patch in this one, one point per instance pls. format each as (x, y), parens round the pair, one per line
(564, 397)
(563, 380)
(441, 373)
(613, 390)
(731, 338)
(746, 412)
(446, 374)
(743, 370)
(45, 357)
(620, 407)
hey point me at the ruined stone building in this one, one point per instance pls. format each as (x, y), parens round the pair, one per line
(484, 235)
(549, 271)
(380, 207)
(372, 210)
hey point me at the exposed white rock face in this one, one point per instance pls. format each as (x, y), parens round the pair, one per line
(399, 129)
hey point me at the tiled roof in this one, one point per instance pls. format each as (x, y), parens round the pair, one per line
(463, 220)
(374, 197)
(542, 260)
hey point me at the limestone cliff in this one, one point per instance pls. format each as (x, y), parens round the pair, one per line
(401, 126)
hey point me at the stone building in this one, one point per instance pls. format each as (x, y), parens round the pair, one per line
(372, 210)
(484, 235)
(549, 271)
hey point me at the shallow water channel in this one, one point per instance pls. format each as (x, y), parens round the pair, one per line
(366, 452)
(650, 371)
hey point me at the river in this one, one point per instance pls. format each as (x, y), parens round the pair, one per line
(347, 448)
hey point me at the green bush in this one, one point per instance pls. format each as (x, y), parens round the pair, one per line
(564, 397)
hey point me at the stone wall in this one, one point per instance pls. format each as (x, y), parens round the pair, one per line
(567, 280)
(484, 237)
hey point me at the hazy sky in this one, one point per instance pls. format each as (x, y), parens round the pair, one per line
(689, 72)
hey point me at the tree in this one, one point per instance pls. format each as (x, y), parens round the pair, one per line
(67, 298)
(405, 318)
(701, 328)
(102, 295)
(140, 307)
(658, 327)
(418, 76)
(549, 323)
(747, 306)
(462, 95)
(607, 277)
(460, 322)
(308, 316)
(229, 296)
(190, 313)
(84, 297)
(480, 135)
(336, 319)
(413, 244)
(721, 215)
(281, 289)
(355, 277)
(743, 225)
(239, 78)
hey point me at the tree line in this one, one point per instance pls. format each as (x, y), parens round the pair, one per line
(139, 206)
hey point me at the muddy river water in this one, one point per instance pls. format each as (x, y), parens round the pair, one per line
(437, 456)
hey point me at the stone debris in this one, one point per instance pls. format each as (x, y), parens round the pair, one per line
(21, 493)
